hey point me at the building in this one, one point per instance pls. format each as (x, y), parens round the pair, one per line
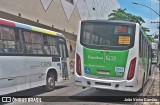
(58, 15)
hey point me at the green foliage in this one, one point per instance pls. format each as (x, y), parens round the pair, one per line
(150, 38)
(121, 14)
(145, 29)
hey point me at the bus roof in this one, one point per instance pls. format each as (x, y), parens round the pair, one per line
(114, 21)
(29, 27)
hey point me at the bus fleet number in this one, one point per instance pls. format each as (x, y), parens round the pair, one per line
(45, 64)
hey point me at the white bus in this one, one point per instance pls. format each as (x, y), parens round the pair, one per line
(30, 57)
(112, 55)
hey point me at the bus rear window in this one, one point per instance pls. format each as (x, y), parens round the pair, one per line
(105, 35)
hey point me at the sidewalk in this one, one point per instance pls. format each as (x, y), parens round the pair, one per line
(155, 89)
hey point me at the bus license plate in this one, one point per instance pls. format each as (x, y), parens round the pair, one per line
(103, 72)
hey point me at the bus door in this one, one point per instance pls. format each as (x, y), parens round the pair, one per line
(64, 58)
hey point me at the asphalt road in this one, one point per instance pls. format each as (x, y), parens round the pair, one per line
(65, 93)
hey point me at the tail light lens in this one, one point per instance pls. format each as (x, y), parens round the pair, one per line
(131, 70)
(78, 65)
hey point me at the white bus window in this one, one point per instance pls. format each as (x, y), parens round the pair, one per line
(50, 45)
(92, 39)
(37, 43)
(100, 40)
(33, 43)
(36, 38)
(12, 34)
(84, 36)
(2, 47)
(5, 33)
(47, 49)
(27, 37)
(53, 47)
(87, 37)
(103, 41)
(18, 44)
(28, 42)
(28, 48)
(96, 39)
(107, 42)
(54, 50)
(37, 49)
(10, 40)
(52, 40)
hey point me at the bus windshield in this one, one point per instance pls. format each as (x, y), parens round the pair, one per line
(106, 35)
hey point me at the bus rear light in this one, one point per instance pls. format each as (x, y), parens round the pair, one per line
(78, 65)
(131, 70)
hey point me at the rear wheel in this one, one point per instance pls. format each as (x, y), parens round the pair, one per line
(150, 66)
(150, 70)
(141, 90)
(50, 82)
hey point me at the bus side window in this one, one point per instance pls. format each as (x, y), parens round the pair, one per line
(53, 47)
(27, 42)
(2, 47)
(18, 45)
(47, 49)
(33, 42)
(37, 43)
(10, 40)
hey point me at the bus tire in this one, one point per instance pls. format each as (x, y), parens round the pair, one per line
(150, 71)
(50, 85)
(150, 67)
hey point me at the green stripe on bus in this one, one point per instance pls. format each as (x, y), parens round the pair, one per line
(105, 63)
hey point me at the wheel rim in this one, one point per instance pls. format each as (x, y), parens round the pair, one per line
(50, 82)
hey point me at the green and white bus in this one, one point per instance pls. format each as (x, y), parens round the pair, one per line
(30, 57)
(112, 55)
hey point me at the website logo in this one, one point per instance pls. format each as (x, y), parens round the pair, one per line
(6, 99)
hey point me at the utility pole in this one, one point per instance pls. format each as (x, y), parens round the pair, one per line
(154, 12)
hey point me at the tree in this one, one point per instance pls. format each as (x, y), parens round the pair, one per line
(150, 38)
(118, 15)
(121, 14)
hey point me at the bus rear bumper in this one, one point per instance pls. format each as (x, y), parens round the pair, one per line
(120, 85)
